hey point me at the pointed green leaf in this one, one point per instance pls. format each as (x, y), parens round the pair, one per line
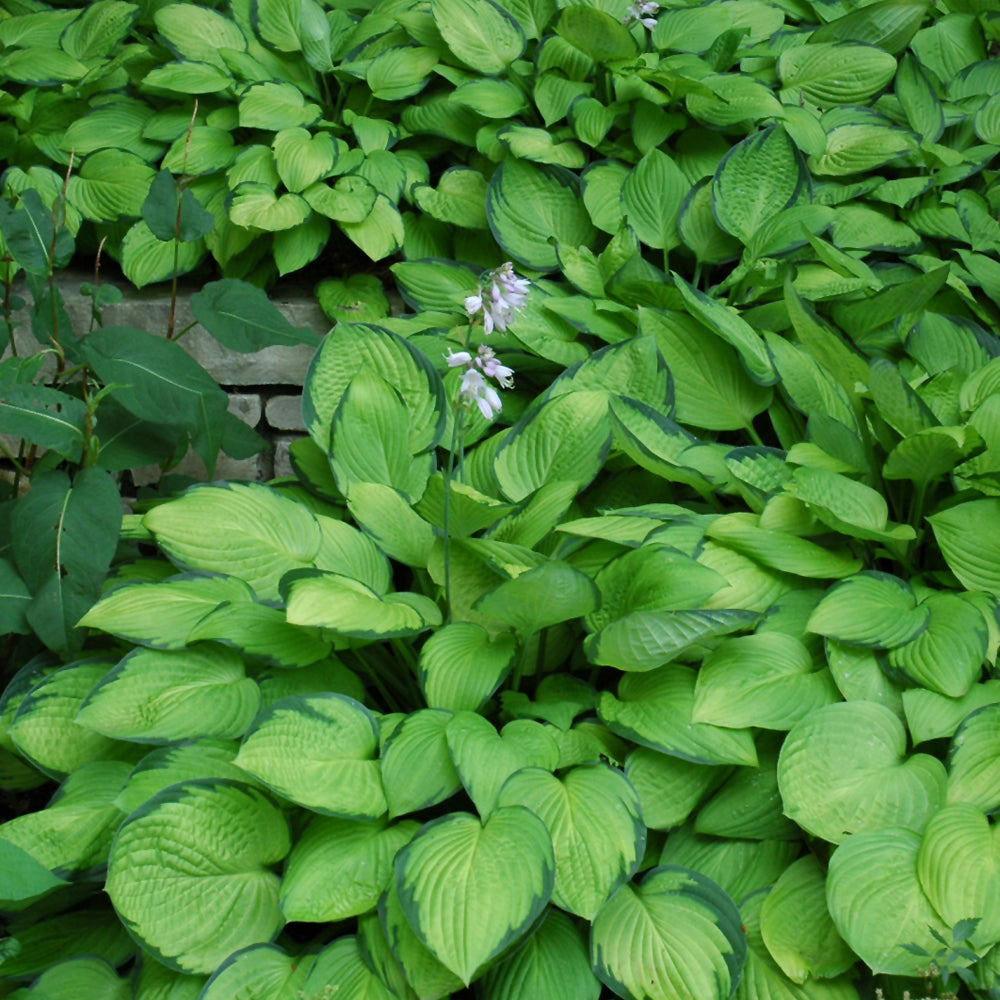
(973, 775)
(461, 666)
(970, 544)
(482, 34)
(417, 769)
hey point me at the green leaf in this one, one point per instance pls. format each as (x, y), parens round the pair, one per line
(385, 514)
(485, 759)
(339, 868)
(318, 751)
(480, 33)
(99, 29)
(261, 968)
(877, 902)
(673, 935)
(276, 106)
(400, 72)
(930, 716)
(146, 259)
(969, 543)
(157, 696)
(247, 529)
(491, 880)
(198, 34)
(861, 148)
(959, 870)
(597, 33)
(15, 599)
(797, 928)
(111, 182)
(766, 680)
(593, 817)
(417, 770)
(890, 24)
(44, 416)
(257, 206)
(551, 965)
(844, 769)
(531, 207)
(243, 318)
(207, 890)
(461, 666)
(758, 178)
(86, 974)
(830, 73)
(172, 212)
(871, 609)
(565, 438)
(351, 199)
(669, 787)
(655, 709)
(23, 878)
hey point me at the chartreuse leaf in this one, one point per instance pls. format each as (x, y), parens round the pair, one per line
(154, 981)
(756, 179)
(652, 197)
(676, 934)
(245, 529)
(353, 346)
(71, 836)
(669, 787)
(256, 629)
(339, 867)
(85, 975)
(767, 680)
(597, 33)
(470, 889)
(551, 593)
(22, 877)
(565, 438)
(207, 889)
(552, 964)
(461, 666)
(859, 676)
(871, 609)
(199, 34)
(972, 772)
(748, 804)
(797, 928)
(485, 759)
(655, 709)
(161, 696)
(647, 639)
(929, 716)
(341, 966)
(878, 904)
(369, 439)
(594, 819)
(970, 544)
(959, 870)
(417, 769)
(163, 614)
(861, 71)
(319, 751)
(533, 207)
(844, 769)
(347, 606)
(185, 761)
(262, 969)
(482, 34)
(44, 727)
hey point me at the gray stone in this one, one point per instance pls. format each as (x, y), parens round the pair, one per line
(282, 459)
(284, 413)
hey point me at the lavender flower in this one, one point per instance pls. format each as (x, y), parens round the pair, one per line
(475, 387)
(500, 296)
(644, 12)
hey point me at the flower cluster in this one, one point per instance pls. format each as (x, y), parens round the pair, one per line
(499, 298)
(644, 12)
(501, 295)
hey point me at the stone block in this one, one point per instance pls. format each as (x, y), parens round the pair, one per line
(284, 413)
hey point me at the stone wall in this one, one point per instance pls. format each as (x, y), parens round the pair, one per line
(264, 388)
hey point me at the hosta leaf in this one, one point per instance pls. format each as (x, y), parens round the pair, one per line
(461, 666)
(767, 680)
(302, 159)
(797, 928)
(319, 751)
(262, 969)
(87, 975)
(417, 769)
(756, 180)
(871, 609)
(844, 769)
(861, 148)
(257, 206)
(469, 889)
(207, 889)
(22, 877)
(930, 716)
(552, 964)
(341, 966)
(162, 614)
(877, 902)
(669, 787)
(973, 774)
(276, 106)
(340, 867)
(970, 545)
(485, 759)
(245, 529)
(652, 197)
(482, 34)
(110, 183)
(959, 870)
(593, 816)
(158, 696)
(673, 935)
(655, 709)
(146, 259)
(861, 71)
(198, 34)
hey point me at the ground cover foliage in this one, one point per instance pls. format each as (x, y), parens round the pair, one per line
(675, 678)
